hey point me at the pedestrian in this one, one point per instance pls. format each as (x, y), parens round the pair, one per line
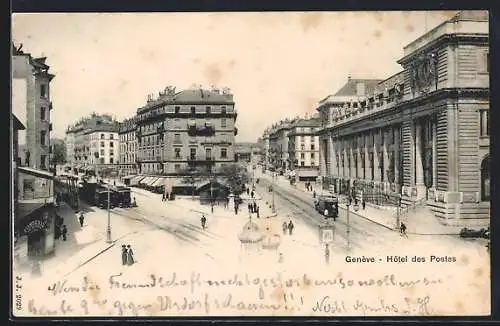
(124, 255)
(257, 211)
(203, 221)
(290, 227)
(402, 229)
(130, 256)
(249, 207)
(236, 209)
(327, 254)
(81, 219)
(64, 232)
(252, 194)
(314, 194)
(163, 197)
(363, 203)
(285, 227)
(254, 207)
(248, 191)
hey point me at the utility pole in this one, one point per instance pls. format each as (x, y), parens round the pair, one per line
(348, 228)
(108, 229)
(273, 186)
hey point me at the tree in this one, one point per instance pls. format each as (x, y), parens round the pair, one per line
(235, 176)
(58, 151)
(192, 176)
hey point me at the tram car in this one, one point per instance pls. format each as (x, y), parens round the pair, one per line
(120, 196)
(329, 204)
(87, 192)
(102, 194)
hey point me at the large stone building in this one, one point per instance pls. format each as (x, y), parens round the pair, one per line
(278, 154)
(303, 147)
(128, 146)
(93, 144)
(32, 105)
(186, 129)
(422, 133)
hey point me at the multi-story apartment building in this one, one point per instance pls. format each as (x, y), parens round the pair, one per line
(424, 132)
(191, 128)
(32, 105)
(128, 146)
(303, 147)
(95, 144)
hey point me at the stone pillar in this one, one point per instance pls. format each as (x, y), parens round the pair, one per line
(322, 158)
(386, 155)
(396, 155)
(419, 169)
(333, 157)
(434, 154)
(375, 155)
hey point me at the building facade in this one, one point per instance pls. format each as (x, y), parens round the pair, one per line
(32, 105)
(194, 128)
(422, 133)
(128, 146)
(94, 142)
(303, 143)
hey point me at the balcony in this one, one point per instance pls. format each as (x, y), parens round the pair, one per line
(200, 160)
(206, 129)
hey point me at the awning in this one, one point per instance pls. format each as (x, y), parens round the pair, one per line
(136, 179)
(152, 181)
(159, 182)
(308, 173)
(129, 176)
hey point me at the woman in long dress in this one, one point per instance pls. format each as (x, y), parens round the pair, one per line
(130, 256)
(124, 255)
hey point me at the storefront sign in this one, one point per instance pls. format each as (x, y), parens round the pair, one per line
(35, 226)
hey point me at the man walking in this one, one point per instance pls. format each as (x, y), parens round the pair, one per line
(81, 219)
(64, 232)
(402, 230)
(290, 227)
(203, 221)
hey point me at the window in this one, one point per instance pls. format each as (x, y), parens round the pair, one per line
(102, 152)
(177, 152)
(192, 153)
(302, 147)
(302, 163)
(102, 136)
(223, 152)
(193, 110)
(102, 144)
(223, 110)
(111, 152)
(312, 147)
(223, 123)
(111, 160)
(43, 161)
(302, 156)
(208, 153)
(111, 136)
(485, 179)
(483, 62)
(111, 144)
(312, 155)
(42, 113)
(101, 160)
(43, 91)
(302, 139)
(177, 167)
(43, 137)
(313, 163)
(177, 138)
(484, 123)
(208, 109)
(177, 109)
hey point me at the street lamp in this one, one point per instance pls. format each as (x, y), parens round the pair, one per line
(348, 228)
(273, 185)
(108, 229)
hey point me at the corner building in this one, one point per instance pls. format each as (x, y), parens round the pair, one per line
(194, 128)
(422, 134)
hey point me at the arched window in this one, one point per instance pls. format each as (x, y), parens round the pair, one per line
(485, 179)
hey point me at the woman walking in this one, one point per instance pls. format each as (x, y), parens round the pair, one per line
(124, 255)
(130, 256)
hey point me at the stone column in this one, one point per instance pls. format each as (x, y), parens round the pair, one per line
(434, 154)
(375, 156)
(396, 155)
(331, 156)
(386, 155)
(419, 169)
(322, 158)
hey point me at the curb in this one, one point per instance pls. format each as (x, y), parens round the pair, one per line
(93, 257)
(394, 229)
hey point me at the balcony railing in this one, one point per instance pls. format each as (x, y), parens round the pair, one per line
(201, 130)
(200, 160)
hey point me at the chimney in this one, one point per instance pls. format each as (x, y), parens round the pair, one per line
(349, 77)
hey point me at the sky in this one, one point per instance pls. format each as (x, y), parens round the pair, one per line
(277, 64)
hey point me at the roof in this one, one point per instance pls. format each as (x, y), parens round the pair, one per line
(470, 15)
(16, 124)
(350, 88)
(201, 96)
(313, 122)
